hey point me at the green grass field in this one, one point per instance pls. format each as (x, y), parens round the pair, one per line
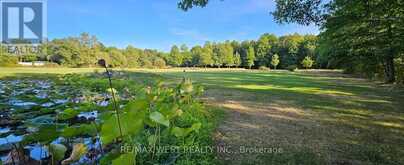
(315, 117)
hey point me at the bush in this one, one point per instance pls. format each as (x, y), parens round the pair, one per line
(292, 68)
(8, 61)
(159, 63)
(307, 62)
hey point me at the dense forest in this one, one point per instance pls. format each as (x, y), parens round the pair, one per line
(362, 36)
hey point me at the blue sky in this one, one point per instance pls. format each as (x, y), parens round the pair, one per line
(158, 24)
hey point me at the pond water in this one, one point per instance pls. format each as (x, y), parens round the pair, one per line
(26, 103)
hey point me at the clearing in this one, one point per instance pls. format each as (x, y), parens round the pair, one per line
(315, 117)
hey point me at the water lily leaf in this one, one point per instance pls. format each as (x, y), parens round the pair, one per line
(127, 159)
(159, 118)
(45, 134)
(57, 151)
(80, 130)
(46, 119)
(138, 105)
(131, 123)
(68, 114)
(110, 130)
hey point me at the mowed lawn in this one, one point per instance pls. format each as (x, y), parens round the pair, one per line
(311, 117)
(315, 117)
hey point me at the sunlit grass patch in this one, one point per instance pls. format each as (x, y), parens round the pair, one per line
(308, 90)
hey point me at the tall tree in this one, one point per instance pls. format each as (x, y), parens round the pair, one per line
(250, 57)
(186, 54)
(356, 30)
(175, 58)
(206, 56)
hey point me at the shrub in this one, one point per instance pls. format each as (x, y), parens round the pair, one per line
(159, 63)
(8, 61)
(307, 62)
(292, 68)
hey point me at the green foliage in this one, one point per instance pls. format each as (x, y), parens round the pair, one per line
(8, 60)
(250, 57)
(80, 130)
(188, 4)
(176, 58)
(307, 62)
(400, 70)
(127, 159)
(160, 119)
(183, 132)
(275, 61)
(131, 123)
(57, 151)
(353, 30)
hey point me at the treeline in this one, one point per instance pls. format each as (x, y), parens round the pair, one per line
(85, 50)
(268, 51)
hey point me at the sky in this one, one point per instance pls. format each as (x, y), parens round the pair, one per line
(159, 24)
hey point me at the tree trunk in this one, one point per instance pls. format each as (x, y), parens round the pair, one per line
(389, 69)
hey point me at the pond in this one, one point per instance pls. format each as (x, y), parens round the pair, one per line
(26, 105)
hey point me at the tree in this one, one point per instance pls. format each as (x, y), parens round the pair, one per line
(264, 47)
(205, 55)
(175, 56)
(159, 63)
(186, 55)
(355, 30)
(132, 55)
(226, 53)
(188, 4)
(275, 61)
(237, 59)
(307, 62)
(117, 59)
(288, 48)
(250, 57)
